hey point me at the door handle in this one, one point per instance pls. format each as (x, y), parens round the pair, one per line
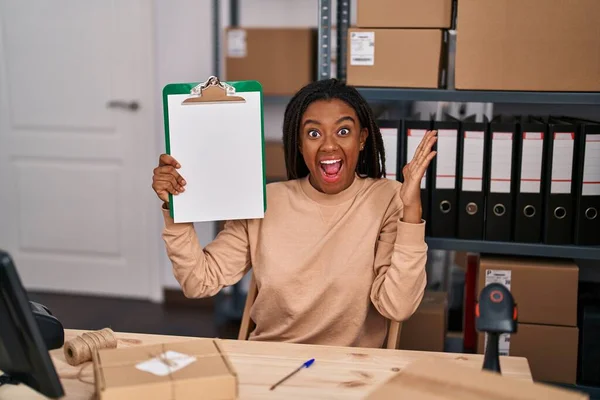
(127, 105)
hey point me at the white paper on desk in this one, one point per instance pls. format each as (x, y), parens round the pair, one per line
(219, 147)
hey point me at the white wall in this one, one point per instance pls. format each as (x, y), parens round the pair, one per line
(184, 53)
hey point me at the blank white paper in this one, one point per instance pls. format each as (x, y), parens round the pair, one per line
(219, 147)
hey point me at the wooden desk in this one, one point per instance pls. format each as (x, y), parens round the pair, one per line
(338, 372)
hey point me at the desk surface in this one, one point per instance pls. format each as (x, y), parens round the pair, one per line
(338, 372)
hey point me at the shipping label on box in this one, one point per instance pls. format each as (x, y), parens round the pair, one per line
(236, 43)
(362, 48)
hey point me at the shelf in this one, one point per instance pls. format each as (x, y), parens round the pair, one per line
(522, 249)
(477, 96)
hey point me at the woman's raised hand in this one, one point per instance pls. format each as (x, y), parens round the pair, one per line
(166, 179)
(410, 193)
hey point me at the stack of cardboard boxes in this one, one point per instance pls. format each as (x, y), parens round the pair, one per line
(399, 43)
(545, 291)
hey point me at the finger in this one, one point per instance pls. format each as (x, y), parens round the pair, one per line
(172, 180)
(427, 149)
(420, 146)
(169, 170)
(166, 159)
(427, 142)
(166, 186)
(423, 167)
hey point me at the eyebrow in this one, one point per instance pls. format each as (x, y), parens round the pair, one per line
(312, 121)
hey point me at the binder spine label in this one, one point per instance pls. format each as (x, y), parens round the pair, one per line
(502, 277)
(362, 48)
(562, 162)
(531, 162)
(472, 179)
(445, 177)
(236, 43)
(501, 169)
(413, 138)
(591, 166)
(390, 144)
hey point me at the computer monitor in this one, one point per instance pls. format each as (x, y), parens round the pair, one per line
(24, 357)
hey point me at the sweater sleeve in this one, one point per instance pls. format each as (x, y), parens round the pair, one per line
(400, 258)
(203, 272)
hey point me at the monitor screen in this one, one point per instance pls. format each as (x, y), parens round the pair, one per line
(24, 357)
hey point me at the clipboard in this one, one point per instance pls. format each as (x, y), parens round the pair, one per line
(215, 130)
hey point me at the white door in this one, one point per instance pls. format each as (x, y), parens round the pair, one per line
(75, 193)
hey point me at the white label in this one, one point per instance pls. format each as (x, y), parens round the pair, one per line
(502, 143)
(531, 162)
(390, 144)
(472, 174)
(413, 139)
(562, 162)
(236, 43)
(362, 48)
(591, 166)
(166, 363)
(502, 277)
(445, 173)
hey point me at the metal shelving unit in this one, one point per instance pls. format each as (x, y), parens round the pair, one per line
(446, 95)
(524, 249)
(480, 96)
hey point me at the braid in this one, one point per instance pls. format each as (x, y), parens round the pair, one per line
(371, 162)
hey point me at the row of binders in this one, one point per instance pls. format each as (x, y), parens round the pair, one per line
(512, 179)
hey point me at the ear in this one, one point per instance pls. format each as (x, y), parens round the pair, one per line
(364, 134)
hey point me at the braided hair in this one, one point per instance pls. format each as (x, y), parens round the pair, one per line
(371, 161)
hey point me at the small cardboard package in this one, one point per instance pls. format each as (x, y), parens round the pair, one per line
(175, 371)
(435, 379)
(426, 329)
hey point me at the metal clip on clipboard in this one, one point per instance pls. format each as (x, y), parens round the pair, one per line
(213, 91)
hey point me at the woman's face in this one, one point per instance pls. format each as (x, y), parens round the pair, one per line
(330, 142)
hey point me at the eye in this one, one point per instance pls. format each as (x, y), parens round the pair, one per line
(344, 132)
(313, 134)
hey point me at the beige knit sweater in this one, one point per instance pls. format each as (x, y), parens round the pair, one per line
(330, 269)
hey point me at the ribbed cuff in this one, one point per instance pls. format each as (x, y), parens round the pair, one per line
(410, 234)
(170, 223)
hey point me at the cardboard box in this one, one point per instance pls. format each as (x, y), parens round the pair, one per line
(395, 58)
(143, 372)
(404, 13)
(275, 161)
(426, 329)
(544, 45)
(435, 379)
(283, 60)
(545, 290)
(550, 350)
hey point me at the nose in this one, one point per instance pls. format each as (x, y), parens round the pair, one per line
(330, 143)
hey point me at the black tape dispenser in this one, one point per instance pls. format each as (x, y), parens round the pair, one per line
(496, 313)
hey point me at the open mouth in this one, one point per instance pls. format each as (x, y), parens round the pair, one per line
(331, 169)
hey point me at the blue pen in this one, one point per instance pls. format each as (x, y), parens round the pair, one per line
(305, 365)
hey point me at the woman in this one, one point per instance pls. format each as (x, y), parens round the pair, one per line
(340, 250)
